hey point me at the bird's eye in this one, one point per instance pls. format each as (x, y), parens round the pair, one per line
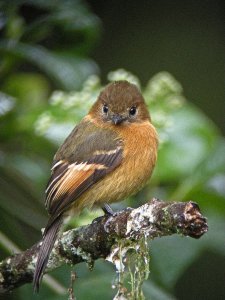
(105, 109)
(133, 111)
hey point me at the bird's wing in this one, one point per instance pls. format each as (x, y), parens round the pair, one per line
(97, 153)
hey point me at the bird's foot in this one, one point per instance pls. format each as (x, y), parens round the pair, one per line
(108, 210)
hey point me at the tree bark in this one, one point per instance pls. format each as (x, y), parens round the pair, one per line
(88, 243)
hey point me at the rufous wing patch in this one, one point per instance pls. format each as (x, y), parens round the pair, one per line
(70, 180)
(74, 176)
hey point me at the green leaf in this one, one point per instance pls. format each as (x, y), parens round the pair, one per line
(69, 72)
(209, 165)
(155, 292)
(189, 140)
(21, 201)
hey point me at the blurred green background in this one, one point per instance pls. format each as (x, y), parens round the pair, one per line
(54, 58)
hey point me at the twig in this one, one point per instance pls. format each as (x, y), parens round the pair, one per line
(88, 243)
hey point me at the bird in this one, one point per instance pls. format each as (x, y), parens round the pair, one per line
(107, 157)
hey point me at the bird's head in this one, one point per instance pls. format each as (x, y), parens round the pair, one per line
(120, 103)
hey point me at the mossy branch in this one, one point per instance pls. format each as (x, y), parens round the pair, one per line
(88, 243)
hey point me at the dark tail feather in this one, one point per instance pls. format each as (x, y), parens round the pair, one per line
(48, 242)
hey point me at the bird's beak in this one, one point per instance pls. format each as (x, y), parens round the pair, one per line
(118, 119)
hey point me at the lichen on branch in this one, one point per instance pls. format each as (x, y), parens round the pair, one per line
(98, 239)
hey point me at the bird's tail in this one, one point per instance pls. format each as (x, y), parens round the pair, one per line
(48, 242)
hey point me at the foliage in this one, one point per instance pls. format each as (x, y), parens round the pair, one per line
(29, 31)
(190, 165)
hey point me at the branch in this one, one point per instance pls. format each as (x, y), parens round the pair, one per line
(88, 243)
